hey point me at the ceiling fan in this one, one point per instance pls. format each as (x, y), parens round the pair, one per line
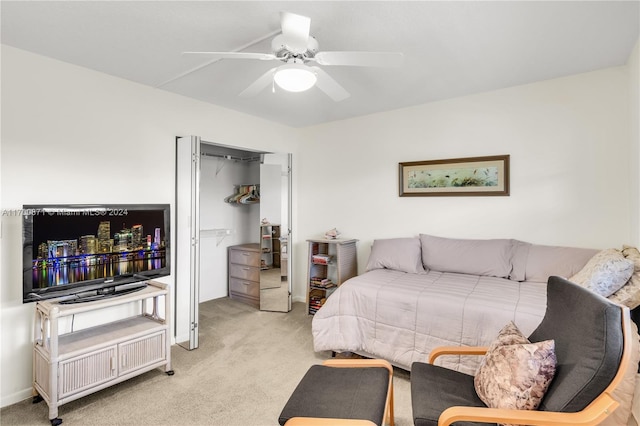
(298, 50)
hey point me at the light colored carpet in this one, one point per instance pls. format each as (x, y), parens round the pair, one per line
(243, 373)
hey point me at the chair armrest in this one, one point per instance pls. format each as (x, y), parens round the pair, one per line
(316, 421)
(595, 413)
(456, 350)
(359, 363)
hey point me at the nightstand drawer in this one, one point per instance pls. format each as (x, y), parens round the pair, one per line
(244, 287)
(242, 257)
(244, 272)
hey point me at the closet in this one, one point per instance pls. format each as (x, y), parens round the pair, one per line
(224, 197)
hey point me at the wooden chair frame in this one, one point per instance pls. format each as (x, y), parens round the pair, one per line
(599, 409)
(352, 363)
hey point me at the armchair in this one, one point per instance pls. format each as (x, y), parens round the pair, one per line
(593, 349)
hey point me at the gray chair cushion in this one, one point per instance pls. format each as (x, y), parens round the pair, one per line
(341, 393)
(589, 343)
(435, 388)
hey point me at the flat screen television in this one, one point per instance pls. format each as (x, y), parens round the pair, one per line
(87, 252)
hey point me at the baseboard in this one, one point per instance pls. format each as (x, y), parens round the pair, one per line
(14, 398)
(298, 299)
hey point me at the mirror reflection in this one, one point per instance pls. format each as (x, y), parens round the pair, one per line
(274, 234)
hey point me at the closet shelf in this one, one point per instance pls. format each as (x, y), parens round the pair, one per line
(218, 233)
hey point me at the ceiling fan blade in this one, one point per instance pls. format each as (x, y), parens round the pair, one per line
(211, 61)
(235, 55)
(295, 29)
(258, 86)
(360, 59)
(328, 85)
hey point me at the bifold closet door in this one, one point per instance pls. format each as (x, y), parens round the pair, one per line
(275, 211)
(187, 237)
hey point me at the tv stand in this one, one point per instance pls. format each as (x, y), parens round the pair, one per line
(72, 365)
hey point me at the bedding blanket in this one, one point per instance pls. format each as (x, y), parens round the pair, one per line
(402, 316)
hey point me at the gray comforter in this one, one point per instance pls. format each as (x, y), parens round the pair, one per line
(401, 317)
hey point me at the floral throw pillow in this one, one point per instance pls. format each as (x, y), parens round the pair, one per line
(605, 273)
(629, 294)
(509, 335)
(515, 375)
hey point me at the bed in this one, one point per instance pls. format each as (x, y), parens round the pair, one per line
(401, 317)
(424, 292)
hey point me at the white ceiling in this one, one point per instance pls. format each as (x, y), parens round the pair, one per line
(451, 48)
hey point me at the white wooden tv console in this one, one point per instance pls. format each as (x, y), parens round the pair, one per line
(72, 365)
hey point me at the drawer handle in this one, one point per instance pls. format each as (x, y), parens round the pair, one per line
(246, 254)
(246, 269)
(246, 283)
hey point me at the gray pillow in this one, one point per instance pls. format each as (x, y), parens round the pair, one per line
(545, 261)
(399, 254)
(519, 260)
(476, 257)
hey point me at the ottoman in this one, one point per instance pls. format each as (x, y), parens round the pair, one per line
(342, 392)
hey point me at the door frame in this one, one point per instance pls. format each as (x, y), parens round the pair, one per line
(187, 207)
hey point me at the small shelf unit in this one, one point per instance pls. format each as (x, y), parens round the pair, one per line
(72, 365)
(270, 246)
(331, 263)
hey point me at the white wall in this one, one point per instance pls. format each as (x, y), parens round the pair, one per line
(569, 144)
(71, 135)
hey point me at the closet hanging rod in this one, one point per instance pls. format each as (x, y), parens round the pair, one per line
(232, 157)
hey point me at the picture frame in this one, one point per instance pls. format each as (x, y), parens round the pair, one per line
(472, 176)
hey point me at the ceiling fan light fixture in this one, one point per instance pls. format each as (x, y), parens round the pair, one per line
(295, 77)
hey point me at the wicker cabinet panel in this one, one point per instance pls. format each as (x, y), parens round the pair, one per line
(87, 371)
(141, 352)
(41, 371)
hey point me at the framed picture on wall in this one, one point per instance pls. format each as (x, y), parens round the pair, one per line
(473, 176)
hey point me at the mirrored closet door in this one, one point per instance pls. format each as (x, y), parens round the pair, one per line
(229, 199)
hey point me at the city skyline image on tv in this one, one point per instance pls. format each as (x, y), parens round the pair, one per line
(76, 245)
